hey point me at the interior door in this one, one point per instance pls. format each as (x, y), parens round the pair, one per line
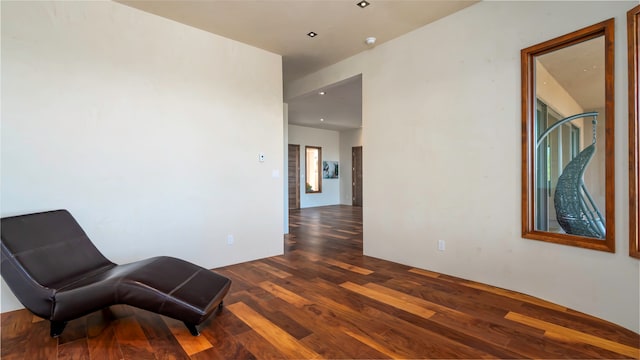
(294, 176)
(356, 175)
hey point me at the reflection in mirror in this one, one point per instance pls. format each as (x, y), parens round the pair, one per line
(569, 182)
(313, 159)
(567, 104)
(633, 36)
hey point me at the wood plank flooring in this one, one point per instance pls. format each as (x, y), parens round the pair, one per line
(324, 300)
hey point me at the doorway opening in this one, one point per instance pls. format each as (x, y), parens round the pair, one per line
(330, 119)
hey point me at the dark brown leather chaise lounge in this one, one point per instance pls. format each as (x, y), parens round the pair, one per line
(58, 274)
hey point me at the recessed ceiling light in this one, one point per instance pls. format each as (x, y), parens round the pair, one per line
(312, 34)
(363, 4)
(321, 93)
(321, 119)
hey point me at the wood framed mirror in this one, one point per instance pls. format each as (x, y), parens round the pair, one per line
(313, 169)
(568, 139)
(633, 37)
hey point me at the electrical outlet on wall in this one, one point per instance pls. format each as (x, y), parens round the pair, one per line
(230, 239)
(441, 245)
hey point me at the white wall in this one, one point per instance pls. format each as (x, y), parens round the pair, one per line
(147, 130)
(329, 141)
(348, 139)
(441, 120)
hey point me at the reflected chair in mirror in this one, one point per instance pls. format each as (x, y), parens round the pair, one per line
(58, 274)
(576, 211)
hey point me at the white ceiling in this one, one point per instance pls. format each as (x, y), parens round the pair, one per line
(579, 69)
(340, 107)
(281, 26)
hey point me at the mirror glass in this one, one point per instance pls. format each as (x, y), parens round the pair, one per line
(633, 36)
(313, 159)
(568, 139)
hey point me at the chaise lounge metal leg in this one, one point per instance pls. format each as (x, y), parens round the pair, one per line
(192, 329)
(57, 327)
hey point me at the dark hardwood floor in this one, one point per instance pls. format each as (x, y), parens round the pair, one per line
(324, 299)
